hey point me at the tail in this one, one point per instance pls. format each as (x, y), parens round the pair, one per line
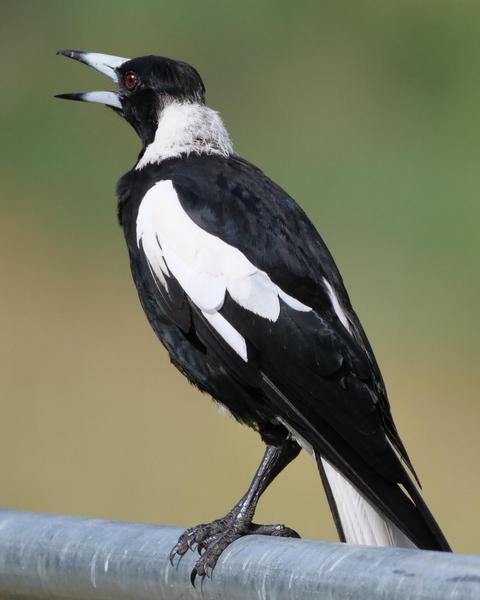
(359, 521)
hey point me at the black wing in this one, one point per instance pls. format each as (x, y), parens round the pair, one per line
(316, 373)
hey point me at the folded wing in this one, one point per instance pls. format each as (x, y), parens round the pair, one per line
(267, 300)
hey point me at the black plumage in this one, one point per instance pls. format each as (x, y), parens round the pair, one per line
(305, 368)
(310, 376)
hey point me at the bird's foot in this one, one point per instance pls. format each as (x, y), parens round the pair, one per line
(211, 539)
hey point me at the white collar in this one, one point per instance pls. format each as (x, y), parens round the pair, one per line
(186, 128)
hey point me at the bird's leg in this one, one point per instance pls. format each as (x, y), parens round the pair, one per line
(211, 539)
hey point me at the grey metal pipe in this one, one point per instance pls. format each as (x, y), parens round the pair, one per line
(50, 556)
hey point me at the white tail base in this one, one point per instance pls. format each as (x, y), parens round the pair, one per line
(361, 522)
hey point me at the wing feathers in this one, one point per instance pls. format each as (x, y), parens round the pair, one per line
(228, 333)
(204, 265)
(413, 519)
(361, 522)
(314, 372)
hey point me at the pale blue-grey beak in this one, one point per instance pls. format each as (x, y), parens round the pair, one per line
(104, 63)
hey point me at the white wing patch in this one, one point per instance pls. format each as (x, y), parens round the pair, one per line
(228, 333)
(204, 265)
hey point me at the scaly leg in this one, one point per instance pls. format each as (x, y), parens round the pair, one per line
(211, 539)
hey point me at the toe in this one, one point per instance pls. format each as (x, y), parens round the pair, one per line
(273, 530)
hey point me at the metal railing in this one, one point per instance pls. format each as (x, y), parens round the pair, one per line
(51, 556)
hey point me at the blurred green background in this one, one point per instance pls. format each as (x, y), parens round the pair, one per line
(368, 114)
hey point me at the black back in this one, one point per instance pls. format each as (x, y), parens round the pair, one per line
(305, 369)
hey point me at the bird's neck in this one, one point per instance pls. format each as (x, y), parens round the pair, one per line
(187, 128)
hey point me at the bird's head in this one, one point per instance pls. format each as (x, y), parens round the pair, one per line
(146, 86)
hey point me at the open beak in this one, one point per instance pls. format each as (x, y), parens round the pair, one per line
(104, 63)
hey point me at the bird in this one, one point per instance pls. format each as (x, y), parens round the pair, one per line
(242, 291)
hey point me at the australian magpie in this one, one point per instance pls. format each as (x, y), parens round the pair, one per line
(244, 294)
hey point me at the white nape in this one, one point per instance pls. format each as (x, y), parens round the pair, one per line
(185, 128)
(337, 306)
(204, 265)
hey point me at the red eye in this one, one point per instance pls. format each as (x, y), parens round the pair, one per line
(130, 80)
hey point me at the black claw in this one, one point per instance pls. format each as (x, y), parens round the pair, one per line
(210, 540)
